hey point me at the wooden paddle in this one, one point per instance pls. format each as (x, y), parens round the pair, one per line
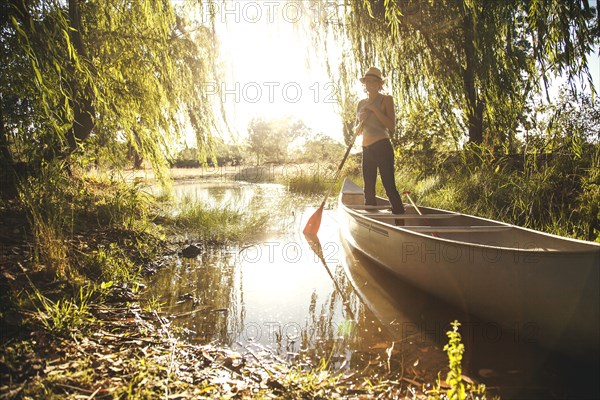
(419, 211)
(314, 222)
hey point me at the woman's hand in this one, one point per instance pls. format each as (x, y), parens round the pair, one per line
(369, 108)
(363, 115)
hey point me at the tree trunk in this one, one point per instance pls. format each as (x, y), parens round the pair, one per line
(474, 104)
(4, 149)
(83, 94)
(8, 178)
(135, 155)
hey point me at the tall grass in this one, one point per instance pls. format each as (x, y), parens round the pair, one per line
(64, 210)
(63, 316)
(50, 217)
(318, 179)
(111, 265)
(307, 184)
(559, 194)
(215, 225)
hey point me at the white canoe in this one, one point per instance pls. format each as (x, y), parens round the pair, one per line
(545, 285)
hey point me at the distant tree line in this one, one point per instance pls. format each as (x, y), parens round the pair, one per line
(275, 140)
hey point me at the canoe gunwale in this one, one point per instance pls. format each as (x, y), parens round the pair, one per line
(352, 210)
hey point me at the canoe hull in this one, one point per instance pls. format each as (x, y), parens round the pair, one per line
(554, 296)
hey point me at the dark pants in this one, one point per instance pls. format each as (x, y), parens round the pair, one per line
(380, 155)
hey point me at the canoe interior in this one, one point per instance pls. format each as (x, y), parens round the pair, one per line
(458, 227)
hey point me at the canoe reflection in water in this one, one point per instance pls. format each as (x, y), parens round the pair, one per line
(508, 359)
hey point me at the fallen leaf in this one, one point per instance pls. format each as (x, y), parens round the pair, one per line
(487, 373)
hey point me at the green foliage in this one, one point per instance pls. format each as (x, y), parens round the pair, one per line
(556, 193)
(124, 205)
(321, 148)
(45, 199)
(552, 186)
(153, 304)
(315, 178)
(65, 315)
(271, 140)
(458, 388)
(61, 210)
(226, 154)
(308, 184)
(566, 126)
(455, 350)
(469, 64)
(111, 265)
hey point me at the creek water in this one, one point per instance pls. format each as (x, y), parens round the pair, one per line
(273, 294)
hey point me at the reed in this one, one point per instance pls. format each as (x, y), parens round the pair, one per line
(558, 195)
(307, 184)
(214, 225)
(317, 179)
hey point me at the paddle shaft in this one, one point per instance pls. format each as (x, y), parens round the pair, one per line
(315, 245)
(314, 222)
(419, 211)
(339, 170)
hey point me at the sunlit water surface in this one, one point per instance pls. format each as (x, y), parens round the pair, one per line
(274, 294)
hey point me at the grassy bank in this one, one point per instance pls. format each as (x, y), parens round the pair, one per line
(556, 193)
(75, 251)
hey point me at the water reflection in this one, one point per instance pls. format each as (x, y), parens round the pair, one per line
(277, 294)
(274, 292)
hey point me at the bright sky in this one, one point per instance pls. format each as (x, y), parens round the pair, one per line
(270, 70)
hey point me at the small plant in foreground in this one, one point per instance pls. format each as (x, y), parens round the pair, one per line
(64, 316)
(459, 389)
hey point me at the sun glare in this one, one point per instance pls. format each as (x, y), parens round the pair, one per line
(269, 72)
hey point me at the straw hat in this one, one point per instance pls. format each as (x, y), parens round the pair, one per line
(372, 73)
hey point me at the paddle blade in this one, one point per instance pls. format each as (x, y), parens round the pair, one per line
(314, 222)
(315, 245)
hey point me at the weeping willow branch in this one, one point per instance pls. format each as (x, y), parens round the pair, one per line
(107, 76)
(482, 58)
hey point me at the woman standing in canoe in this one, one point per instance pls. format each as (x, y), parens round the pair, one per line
(376, 113)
